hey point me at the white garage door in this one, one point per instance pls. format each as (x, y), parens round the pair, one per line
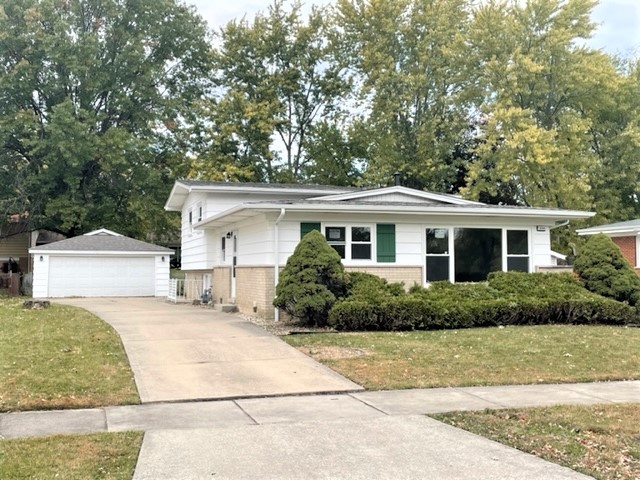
(101, 276)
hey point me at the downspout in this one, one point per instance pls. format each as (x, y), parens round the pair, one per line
(276, 256)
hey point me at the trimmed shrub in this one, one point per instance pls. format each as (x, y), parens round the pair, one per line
(410, 313)
(312, 281)
(367, 287)
(538, 285)
(603, 270)
(509, 298)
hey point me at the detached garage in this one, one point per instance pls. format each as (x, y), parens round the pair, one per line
(100, 264)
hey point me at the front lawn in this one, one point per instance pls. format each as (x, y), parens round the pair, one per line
(478, 356)
(602, 440)
(60, 357)
(111, 456)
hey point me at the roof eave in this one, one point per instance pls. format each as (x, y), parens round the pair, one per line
(219, 219)
(36, 251)
(592, 231)
(174, 204)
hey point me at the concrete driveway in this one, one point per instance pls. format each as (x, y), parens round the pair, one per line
(184, 352)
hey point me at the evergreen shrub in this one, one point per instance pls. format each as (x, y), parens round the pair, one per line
(312, 280)
(508, 298)
(603, 270)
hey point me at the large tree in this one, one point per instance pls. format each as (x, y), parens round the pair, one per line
(615, 139)
(276, 77)
(417, 94)
(91, 93)
(538, 79)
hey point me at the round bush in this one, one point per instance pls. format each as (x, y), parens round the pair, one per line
(312, 281)
(603, 270)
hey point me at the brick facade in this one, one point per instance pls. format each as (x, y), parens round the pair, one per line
(221, 284)
(255, 285)
(255, 288)
(627, 246)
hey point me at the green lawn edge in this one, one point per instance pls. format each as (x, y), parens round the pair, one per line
(60, 357)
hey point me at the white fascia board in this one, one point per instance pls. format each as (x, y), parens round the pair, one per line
(97, 253)
(220, 218)
(104, 231)
(613, 231)
(177, 197)
(398, 189)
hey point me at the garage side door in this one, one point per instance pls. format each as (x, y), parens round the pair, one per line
(101, 276)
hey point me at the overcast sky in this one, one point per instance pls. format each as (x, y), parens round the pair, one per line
(618, 31)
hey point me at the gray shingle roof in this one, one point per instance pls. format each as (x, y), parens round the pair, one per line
(629, 225)
(103, 243)
(292, 186)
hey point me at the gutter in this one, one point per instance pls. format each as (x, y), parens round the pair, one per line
(276, 256)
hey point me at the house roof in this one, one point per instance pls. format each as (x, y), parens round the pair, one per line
(250, 209)
(101, 241)
(630, 226)
(182, 188)
(400, 192)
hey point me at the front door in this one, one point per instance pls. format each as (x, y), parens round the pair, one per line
(234, 262)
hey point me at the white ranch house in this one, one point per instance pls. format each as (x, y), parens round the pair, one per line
(237, 236)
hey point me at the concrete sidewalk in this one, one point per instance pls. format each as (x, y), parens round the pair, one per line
(364, 435)
(311, 408)
(182, 352)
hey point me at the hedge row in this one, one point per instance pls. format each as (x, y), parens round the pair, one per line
(508, 298)
(414, 313)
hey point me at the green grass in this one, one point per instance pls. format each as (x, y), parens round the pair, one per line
(109, 456)
(602, 441)
(479, 356)
(60, 357)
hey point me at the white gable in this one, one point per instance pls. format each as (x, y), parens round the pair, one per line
(399, 194)
(104, 231)
(400, 198)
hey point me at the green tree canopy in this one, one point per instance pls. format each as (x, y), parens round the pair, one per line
(276, 78)
(91, 92)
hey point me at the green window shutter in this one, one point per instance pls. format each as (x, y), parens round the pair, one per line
(306, 227)
(386, 243)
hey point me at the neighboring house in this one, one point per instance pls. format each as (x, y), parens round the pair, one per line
(237, 236)
(101, 263)
(16, 238)
(625, 235)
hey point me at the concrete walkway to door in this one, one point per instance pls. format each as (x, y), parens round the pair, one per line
(183, 352)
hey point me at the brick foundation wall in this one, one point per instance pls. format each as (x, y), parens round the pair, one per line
(627, 246)
(221, 284)
(255, 284)
(408, 275)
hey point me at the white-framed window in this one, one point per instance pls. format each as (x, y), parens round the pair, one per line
(469, 254)
(438, 254)
(223, 249)
(199, 207)
(352, 242)
(190, 217)
(517, 242)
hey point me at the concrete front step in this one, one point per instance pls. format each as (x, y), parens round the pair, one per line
(226, 307)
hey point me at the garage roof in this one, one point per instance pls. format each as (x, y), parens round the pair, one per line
(101, 241)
